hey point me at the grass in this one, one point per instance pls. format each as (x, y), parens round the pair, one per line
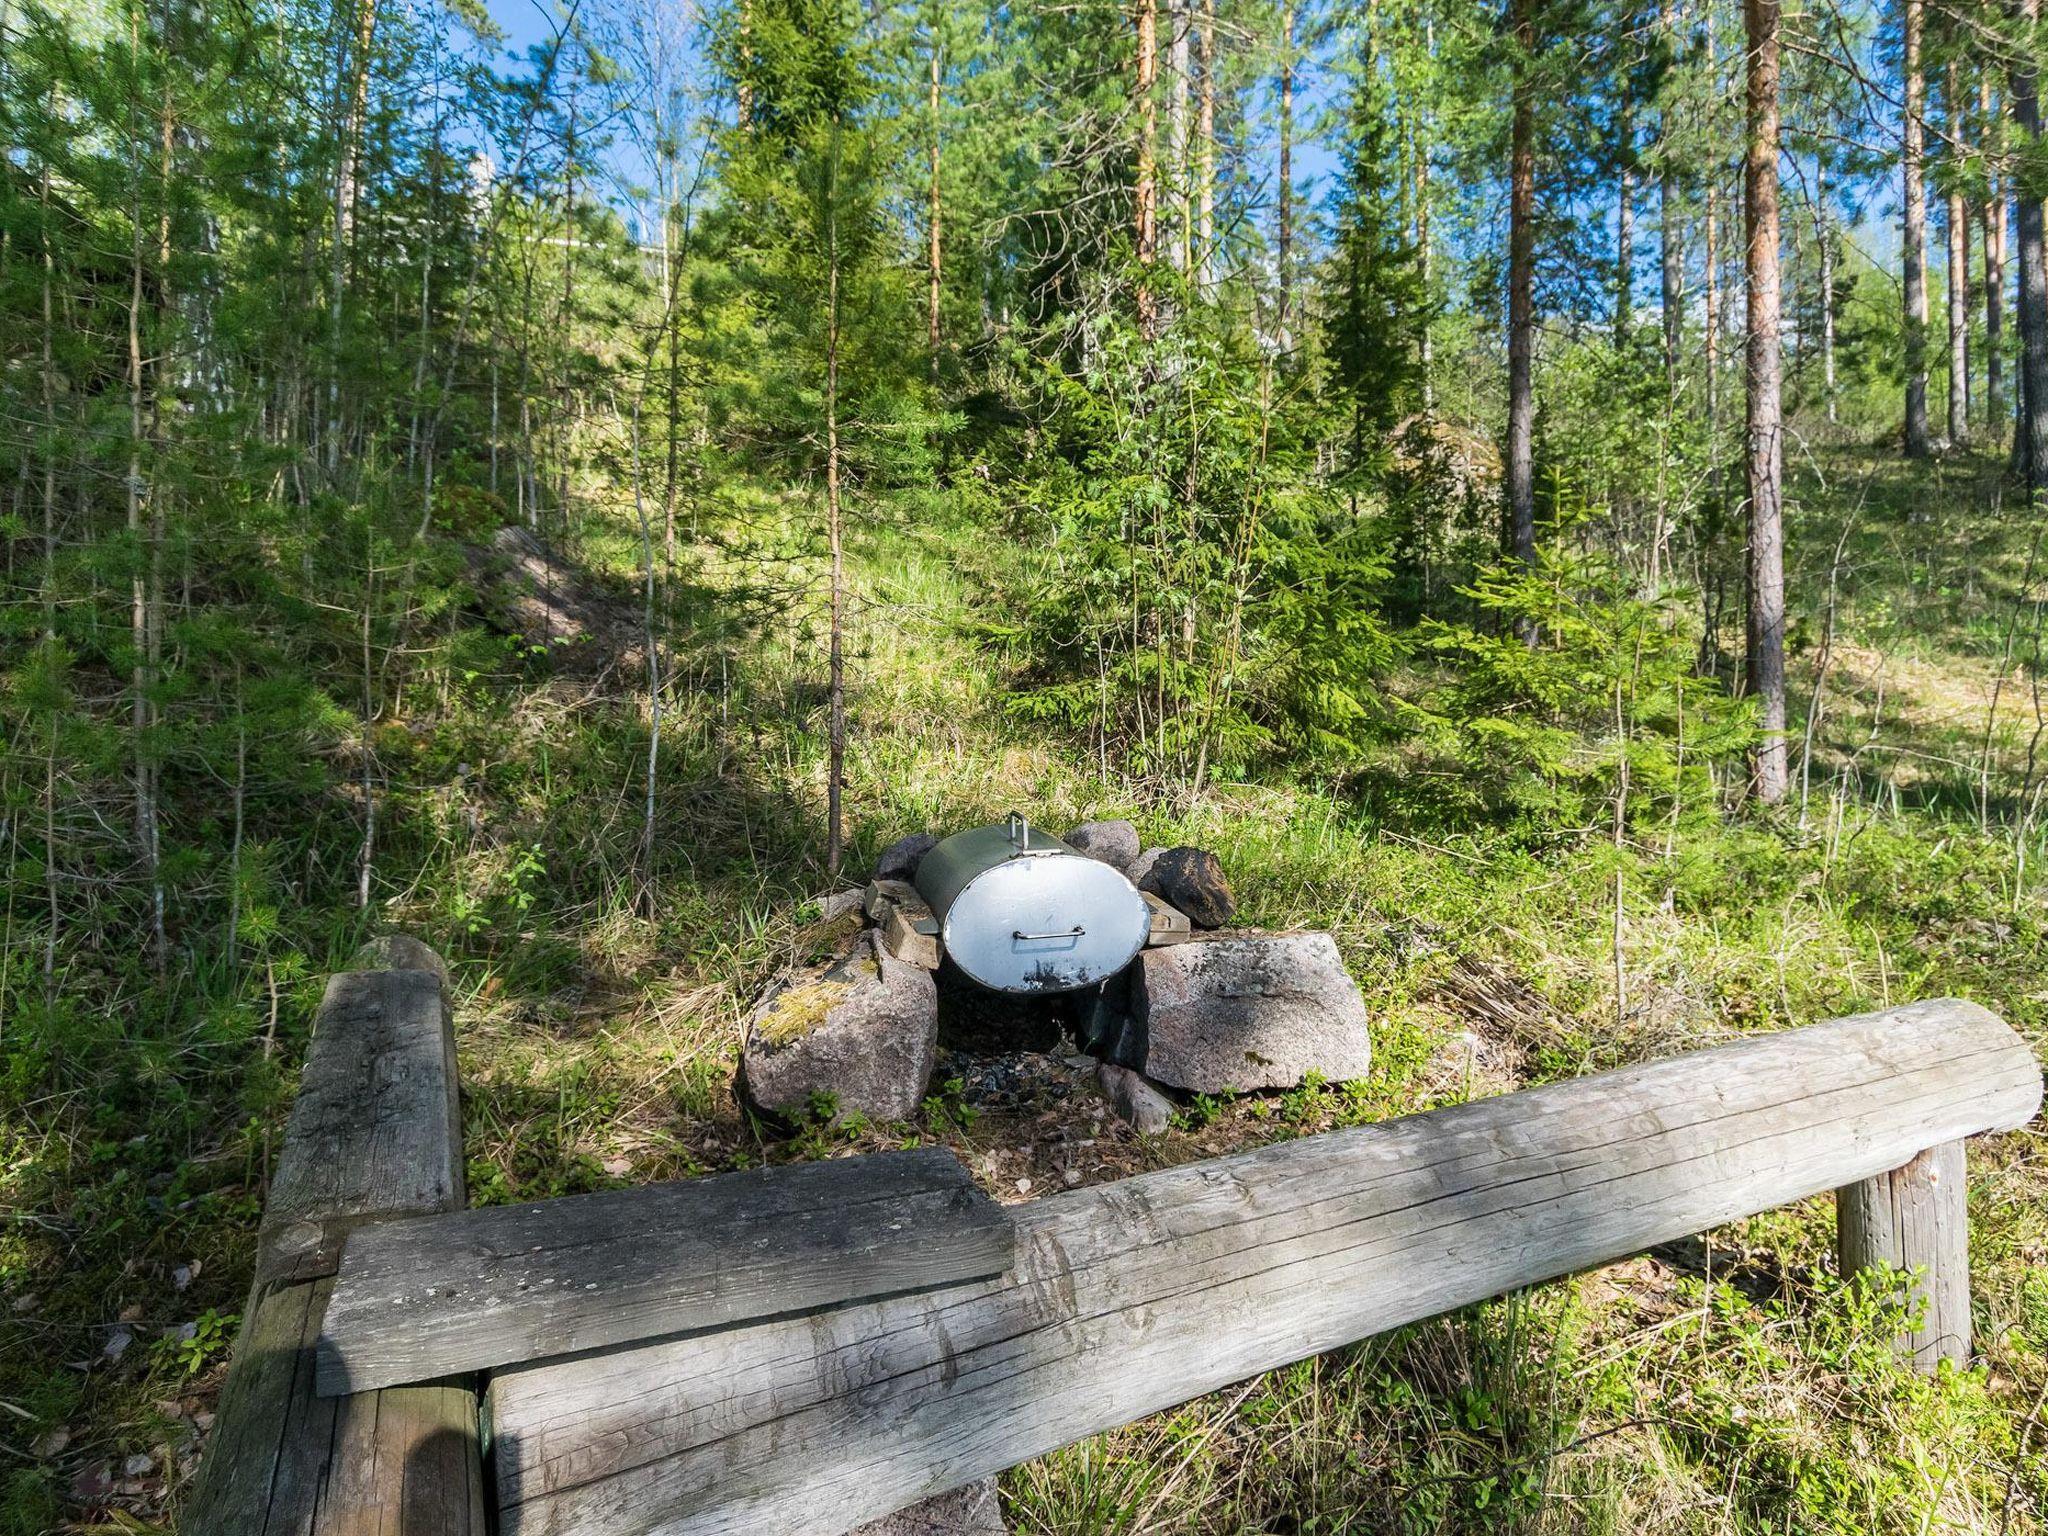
(1731, 1385)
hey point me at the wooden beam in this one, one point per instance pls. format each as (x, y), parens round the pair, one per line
(374, 1132)
(474, 1289)
(1131, 1297)
(1914, 1222)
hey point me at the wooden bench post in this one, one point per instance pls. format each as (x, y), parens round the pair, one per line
(1914, 1221)
(376, 1131)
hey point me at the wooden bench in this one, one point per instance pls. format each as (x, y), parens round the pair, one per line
(376, 1132)
(1123, 1299)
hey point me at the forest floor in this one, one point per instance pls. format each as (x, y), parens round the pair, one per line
(1720, 1386)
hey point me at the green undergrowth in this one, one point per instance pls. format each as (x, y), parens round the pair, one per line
(1730, 1385)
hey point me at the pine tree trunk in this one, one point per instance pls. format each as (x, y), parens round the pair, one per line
(1522, 290)
(2032, 446)
(1422, 257)
(1913, 235)
(835, 764)
(1145, 210)
(1824, 237)
(1993, 214)
(933, 339)
(1286, 169)
(1625, 232)
(1958, 284)
(1205, 133)
(1671, 254)
(1766, 659)
(1711, 331)
(1177, 40)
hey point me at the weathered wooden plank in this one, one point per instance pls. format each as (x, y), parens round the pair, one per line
(374, 1131)
(1131, 1297)
(1915, 1220)
(285, 1462)
(376, 1127)
(474, 1289)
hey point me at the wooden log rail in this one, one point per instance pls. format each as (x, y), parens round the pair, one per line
(375, 1132)
(1131, 1297)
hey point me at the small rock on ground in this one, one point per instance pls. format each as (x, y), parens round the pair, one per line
(863, 1028)
(1192, 879)
(1114, 843)
(1141, 866)
(969, 1511)
(1137, 1101)
(1245, 1011)
(900, 859)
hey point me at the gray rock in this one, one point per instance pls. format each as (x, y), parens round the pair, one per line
(1141, 866)
(1114, 843)
(900, 859)
(1192, 879)
(1244, 1011)
(863, 1028)
(1135, 1098)
(834, 905)
(969, 1511)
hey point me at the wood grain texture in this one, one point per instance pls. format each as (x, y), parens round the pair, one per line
(1134, 1296)
(283, 1461)
(474, 1289)
(1915, 1220)
(376, 1128)
(374, 1132)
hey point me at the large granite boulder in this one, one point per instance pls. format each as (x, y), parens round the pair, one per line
(862, 1028)
(1242, 1011)
(1192, 879)
(969, 1511)
(1114, 843)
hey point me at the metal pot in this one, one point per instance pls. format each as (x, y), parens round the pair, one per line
(1020, 911)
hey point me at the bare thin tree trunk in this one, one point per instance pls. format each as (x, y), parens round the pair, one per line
(932, 222)
(1625, 231)
(1286, 253)
(2032, 446)
(1670, 229)
(355, 82)
(651, 640)
(1205, 133)
(1914, 233)
(1765, 423)
(1177, 40)
(139, 615)
(1958, 283)
(1711, 331)
(1824, 237)
(1422, 256)
(1994, 265)
(835, 768)
(1145, 203)
(1522, 290)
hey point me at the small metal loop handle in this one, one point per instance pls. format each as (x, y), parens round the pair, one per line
(1074, 932)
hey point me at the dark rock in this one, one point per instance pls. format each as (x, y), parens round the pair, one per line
(1141, 866)
(1192, 879)
(1114, 843)
(900, 859)
(863, 1028)
(969, 1511)
(1245, 1011)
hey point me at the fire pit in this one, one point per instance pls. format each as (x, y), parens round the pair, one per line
(1021, 911)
